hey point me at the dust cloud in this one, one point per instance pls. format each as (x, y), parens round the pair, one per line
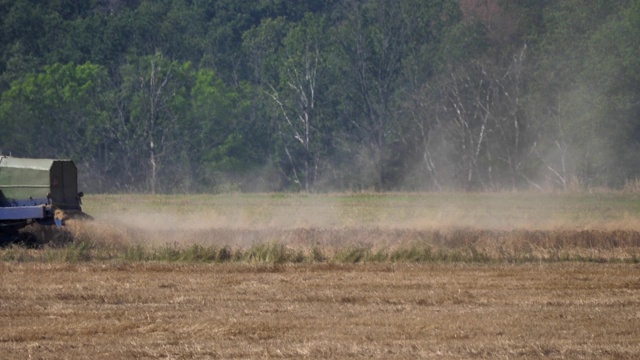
(383, 220)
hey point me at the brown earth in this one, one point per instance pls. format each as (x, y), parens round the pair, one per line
(150, 310)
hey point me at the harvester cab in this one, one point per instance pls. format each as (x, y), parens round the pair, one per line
(43, 191)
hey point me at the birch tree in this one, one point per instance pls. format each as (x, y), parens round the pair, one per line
(292, 83)
(151, 101)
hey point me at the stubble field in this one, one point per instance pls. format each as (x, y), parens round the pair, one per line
(332, 276)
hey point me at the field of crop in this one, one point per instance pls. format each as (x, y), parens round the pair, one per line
(281, 228)
(521, 275)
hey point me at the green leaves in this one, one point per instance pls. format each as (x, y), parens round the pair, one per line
(61, 102)
(411, 94)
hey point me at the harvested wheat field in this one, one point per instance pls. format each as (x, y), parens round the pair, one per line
(107, 311)
(331, 276)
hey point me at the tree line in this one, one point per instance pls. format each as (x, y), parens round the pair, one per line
(325, 95)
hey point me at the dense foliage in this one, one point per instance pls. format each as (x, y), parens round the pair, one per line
(323, 95)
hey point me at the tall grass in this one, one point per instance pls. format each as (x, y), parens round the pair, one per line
(349, 228)
(349, 246)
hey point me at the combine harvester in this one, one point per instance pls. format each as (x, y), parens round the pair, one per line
(37, 191)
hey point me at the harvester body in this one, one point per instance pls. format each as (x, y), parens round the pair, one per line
(37, 190)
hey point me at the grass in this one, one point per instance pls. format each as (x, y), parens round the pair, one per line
(347, 246)
(350, 228)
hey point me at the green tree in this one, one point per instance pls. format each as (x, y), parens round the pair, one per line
(55, 113)
(291, 68)
(151, 104)
(613, 69)
(380, 46)
(58, 103)
(588, 133)
(218, 130)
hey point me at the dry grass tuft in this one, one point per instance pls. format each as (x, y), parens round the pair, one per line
(93, 241)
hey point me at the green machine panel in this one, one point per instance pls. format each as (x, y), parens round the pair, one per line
(25, 182)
